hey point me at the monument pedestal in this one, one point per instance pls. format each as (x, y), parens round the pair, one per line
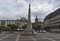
(27, 33)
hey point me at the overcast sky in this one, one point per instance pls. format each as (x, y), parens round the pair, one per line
(13, 9)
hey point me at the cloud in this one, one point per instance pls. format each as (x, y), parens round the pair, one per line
(13, 9)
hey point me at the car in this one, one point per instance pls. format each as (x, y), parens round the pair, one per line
(20, 29)
(44, 31)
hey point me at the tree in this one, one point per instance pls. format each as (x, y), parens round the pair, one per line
(37, 27)
(0, 29)
(12, 27)
(3, 28)
(24, 27)
(34, 27)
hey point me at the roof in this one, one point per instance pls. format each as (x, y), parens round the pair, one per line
(53, 14)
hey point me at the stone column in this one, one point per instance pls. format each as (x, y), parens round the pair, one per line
(29, 24)
(29, 30)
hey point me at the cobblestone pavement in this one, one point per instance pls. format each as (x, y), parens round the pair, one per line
(40, 37)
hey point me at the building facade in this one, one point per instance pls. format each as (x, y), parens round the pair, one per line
(19, 22)
(52, 21)
(6, 22)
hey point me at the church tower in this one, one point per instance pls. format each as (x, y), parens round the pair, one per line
(36, 20)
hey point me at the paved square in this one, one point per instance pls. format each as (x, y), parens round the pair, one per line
(40, 37)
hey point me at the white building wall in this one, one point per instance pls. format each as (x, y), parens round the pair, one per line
(5, 23)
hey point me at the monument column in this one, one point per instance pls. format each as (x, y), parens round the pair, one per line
(29, 24)
(29, 30)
